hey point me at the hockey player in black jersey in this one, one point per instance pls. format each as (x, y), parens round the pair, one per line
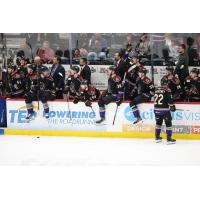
(145, 89)
(192, 86)
(40, 86)
(73, 83)
(163, 104)
(131, 77)
(15, 83)
(173, 83)
(111, 94)
(88, 93)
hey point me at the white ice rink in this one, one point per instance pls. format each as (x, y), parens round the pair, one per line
(28, 150)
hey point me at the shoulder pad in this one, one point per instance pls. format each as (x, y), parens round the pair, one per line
(17, 75)
(175, 80)
(91, 90)
(146, 80)
(116, 78)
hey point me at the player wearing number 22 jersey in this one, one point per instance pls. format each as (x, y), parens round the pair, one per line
(163, 104)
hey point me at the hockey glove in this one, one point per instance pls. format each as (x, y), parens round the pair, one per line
(88, 103)
(173, 108)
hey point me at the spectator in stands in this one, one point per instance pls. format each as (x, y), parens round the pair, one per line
(97, 42)
(58, 73)
(45, 52)
(85, 71)
(82, 40)
(181, 69)
(83, 52)
(143, 47)
(24, 51)
(129, 39)
(76, 53)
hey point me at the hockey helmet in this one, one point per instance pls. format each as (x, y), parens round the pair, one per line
(75, 68)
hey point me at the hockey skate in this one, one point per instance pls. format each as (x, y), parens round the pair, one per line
(138, 120)
(158, 139)
(29, 117)
(47, 115)
(171, 141)
(100, 121)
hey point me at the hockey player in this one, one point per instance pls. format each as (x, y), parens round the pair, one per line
(192, 86)
(163, 104)
(145, 89)
(73, 83)
(40, 87)
(111, 94)
(172, 82)
(132, 75)
(22, 67)
(15, 86)
(88, 93)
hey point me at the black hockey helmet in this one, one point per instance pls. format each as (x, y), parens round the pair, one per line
(170, 68)
(33, 67)
(195, 70)
(75, 68)
(143, 71)
(164, 81)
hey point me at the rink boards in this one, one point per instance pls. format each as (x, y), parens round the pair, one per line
(82, 123)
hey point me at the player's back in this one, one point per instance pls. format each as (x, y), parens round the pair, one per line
(162, 99)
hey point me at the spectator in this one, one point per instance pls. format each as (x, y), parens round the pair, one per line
(97, 42)
(45, 52)
(58, 73)
(24, 51)
(129, 40)
(76, 53)
(85, 70)
(83, 52)
(143, 47)
(181, 69)
(81, 40)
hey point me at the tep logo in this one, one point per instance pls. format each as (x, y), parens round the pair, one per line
(129, 114)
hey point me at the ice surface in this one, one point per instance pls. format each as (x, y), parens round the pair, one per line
(28, 150)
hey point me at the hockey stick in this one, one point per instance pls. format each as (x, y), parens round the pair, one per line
(68, 106)
(115, 115)
(182, 110)
(92, 109)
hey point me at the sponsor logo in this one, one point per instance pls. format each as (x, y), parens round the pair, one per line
(195, 130)
(149, 115)
(138, 128)
(56, 116)
(146, 115)
(179, 129)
